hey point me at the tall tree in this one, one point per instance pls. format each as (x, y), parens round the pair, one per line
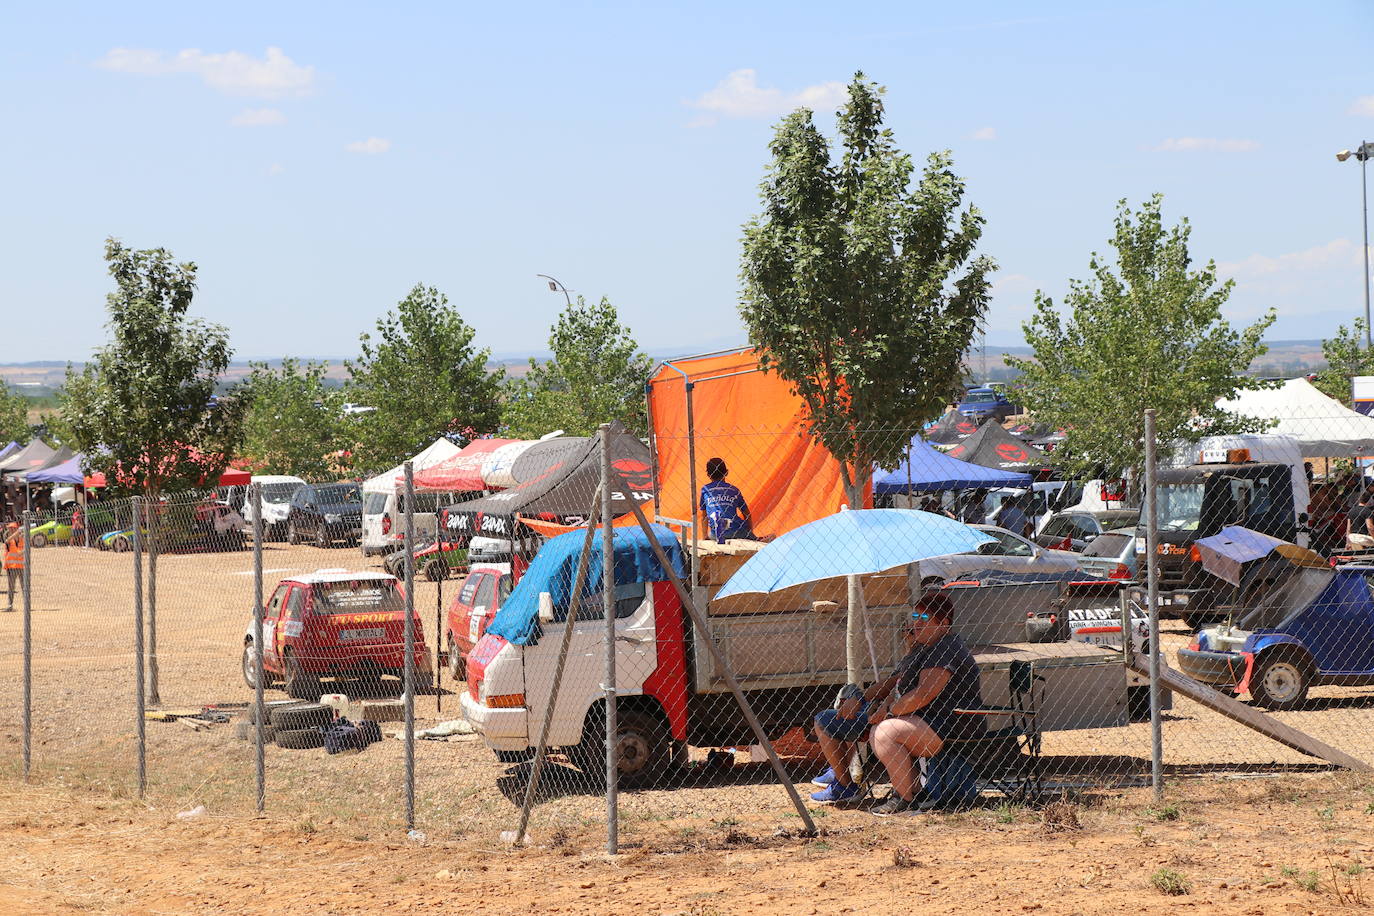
(597, 375)
(425, 378)
(1346, 357)
(294, 422)
(1146, 331)
(861, 291)
(14, 416)
(144, 408)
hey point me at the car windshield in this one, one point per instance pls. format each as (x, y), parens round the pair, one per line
(279, 493)
(1180, 506)
(339, 493)
(980, 397)
(358, 595)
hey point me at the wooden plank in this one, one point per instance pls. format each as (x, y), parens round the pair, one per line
(1247, 715)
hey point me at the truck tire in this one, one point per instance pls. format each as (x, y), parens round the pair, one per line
(292, 537)
(300, 738)
(1280, 681)
(644, 750)
(301, 716)
(298, 684)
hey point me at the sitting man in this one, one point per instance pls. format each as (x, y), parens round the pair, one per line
(908, 715)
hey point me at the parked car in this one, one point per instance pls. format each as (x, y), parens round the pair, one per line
(1076, 529)
(985, 403)
(325, 513)
(433, 561)
(1111, 555)
(50, 532)
(334, 623)
(277, 490)
(470, 614)
(384, 518)
(1008, 552)
(1315, 627)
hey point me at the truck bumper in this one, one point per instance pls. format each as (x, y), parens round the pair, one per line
(501, 729)
(1223, 669)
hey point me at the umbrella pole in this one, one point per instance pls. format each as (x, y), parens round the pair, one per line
(724, 667)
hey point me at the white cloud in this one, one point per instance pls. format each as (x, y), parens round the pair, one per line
(984, 133)
(372, 146)
(276, 169)
(740, 96)
(258, 117)
(1338, 253)
(272, 76)
(1205, 144)
(1364, 105)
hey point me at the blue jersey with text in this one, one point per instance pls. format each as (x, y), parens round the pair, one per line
(724, 504)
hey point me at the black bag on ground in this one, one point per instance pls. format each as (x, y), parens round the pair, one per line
(343, 735)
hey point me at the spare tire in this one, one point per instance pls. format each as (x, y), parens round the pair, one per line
(304, 715)
(300, 738)
(245, 731)
(269, 708)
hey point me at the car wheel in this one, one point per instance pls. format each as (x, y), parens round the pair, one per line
(250, 668)
(299, 685)
(39, 540)
(322, 536)
(457, 665)
(120, 544)
(644, 752)
(436, 570)
(1280, 682)
(292, 537)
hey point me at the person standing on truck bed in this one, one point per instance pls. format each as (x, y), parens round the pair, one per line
(727, 514)
(907, 715)
(1359, 523)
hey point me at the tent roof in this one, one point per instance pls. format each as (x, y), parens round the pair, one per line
(68, 472)
(56, 458)
(393, 479)
(994, 447)
(952, 427)
(460, 470)
(8, 449)
(27, 458)
(1323, 428)
(928, 470)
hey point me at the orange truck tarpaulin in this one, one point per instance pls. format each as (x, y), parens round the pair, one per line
(753, 421)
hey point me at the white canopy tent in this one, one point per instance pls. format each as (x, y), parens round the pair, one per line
(386, 482)
(1322, 427)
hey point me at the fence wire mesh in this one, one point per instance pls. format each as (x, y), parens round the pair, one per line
(1037, 589)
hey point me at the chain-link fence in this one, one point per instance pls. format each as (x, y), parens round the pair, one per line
(755, 636)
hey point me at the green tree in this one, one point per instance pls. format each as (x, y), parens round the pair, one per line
(1346, 357)
(425, 378)
(861, 291)
(294, 422)
(1145, 332)
(597, 375)
(14, 416)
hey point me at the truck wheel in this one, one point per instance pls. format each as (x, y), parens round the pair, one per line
(457, 667)
(1280, 682)
(292, 537)
(643, 749)
(299, 685)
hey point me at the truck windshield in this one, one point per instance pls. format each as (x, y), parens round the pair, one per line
(1180, 506)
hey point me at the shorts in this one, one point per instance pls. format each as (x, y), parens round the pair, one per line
(841, 729)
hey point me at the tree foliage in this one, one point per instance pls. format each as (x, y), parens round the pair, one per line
(294, 423)
(144, 406)
(1346, 357)
(597, 375)
(425, 378)
(862, 292)
(1144, 332)
(14, 416)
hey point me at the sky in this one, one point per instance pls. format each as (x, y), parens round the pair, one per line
(317, 161)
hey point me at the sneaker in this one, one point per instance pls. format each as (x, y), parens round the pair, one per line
(835, 792)
(895, 804)
(825, 779)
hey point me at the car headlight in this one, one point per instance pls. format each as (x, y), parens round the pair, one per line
(333, 519)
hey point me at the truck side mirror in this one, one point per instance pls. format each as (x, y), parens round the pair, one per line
(546, 607)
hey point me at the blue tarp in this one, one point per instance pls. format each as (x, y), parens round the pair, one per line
(932, 470)
(9, 449)
(68, 472)
(555, 567)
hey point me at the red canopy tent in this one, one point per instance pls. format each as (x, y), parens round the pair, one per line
(230, 476)
(461, 472)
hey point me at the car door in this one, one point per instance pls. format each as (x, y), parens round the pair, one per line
(1056, 532)
(271, 614)
(291, 626)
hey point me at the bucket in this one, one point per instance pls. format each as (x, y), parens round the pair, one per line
(336, 701)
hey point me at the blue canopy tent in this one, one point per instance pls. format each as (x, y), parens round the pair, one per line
(928, 470)
(68, 472)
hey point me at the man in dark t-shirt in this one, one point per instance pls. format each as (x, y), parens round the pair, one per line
(1359, 523)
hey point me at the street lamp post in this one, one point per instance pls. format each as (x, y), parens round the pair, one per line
(1363, 154)
(557, 287)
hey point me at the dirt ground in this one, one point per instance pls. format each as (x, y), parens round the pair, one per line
(1265, 830)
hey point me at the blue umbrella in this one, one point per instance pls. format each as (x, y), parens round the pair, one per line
(851, 543)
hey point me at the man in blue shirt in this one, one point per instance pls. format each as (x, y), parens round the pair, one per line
(727, 514)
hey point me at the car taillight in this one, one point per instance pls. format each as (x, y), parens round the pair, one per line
(386, 524)
(1066, 544)
(1119, 572)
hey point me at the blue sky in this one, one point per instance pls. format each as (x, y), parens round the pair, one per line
(317, 160)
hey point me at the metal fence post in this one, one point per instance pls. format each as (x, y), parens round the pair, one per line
(139, 699)
(259, 706)
(1152, 579)
(608, 609)
(410, 646)
(28, 644)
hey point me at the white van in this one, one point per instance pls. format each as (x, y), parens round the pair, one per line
(384, 520)
(277, 490)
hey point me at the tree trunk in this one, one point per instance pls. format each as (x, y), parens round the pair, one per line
(854, 616)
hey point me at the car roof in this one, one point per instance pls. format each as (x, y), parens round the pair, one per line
(339, 574)
(276, 478)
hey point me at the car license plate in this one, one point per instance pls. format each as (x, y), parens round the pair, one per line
(372, 633)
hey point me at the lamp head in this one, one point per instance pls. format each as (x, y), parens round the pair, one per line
(554, 286)
(1340, 157)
